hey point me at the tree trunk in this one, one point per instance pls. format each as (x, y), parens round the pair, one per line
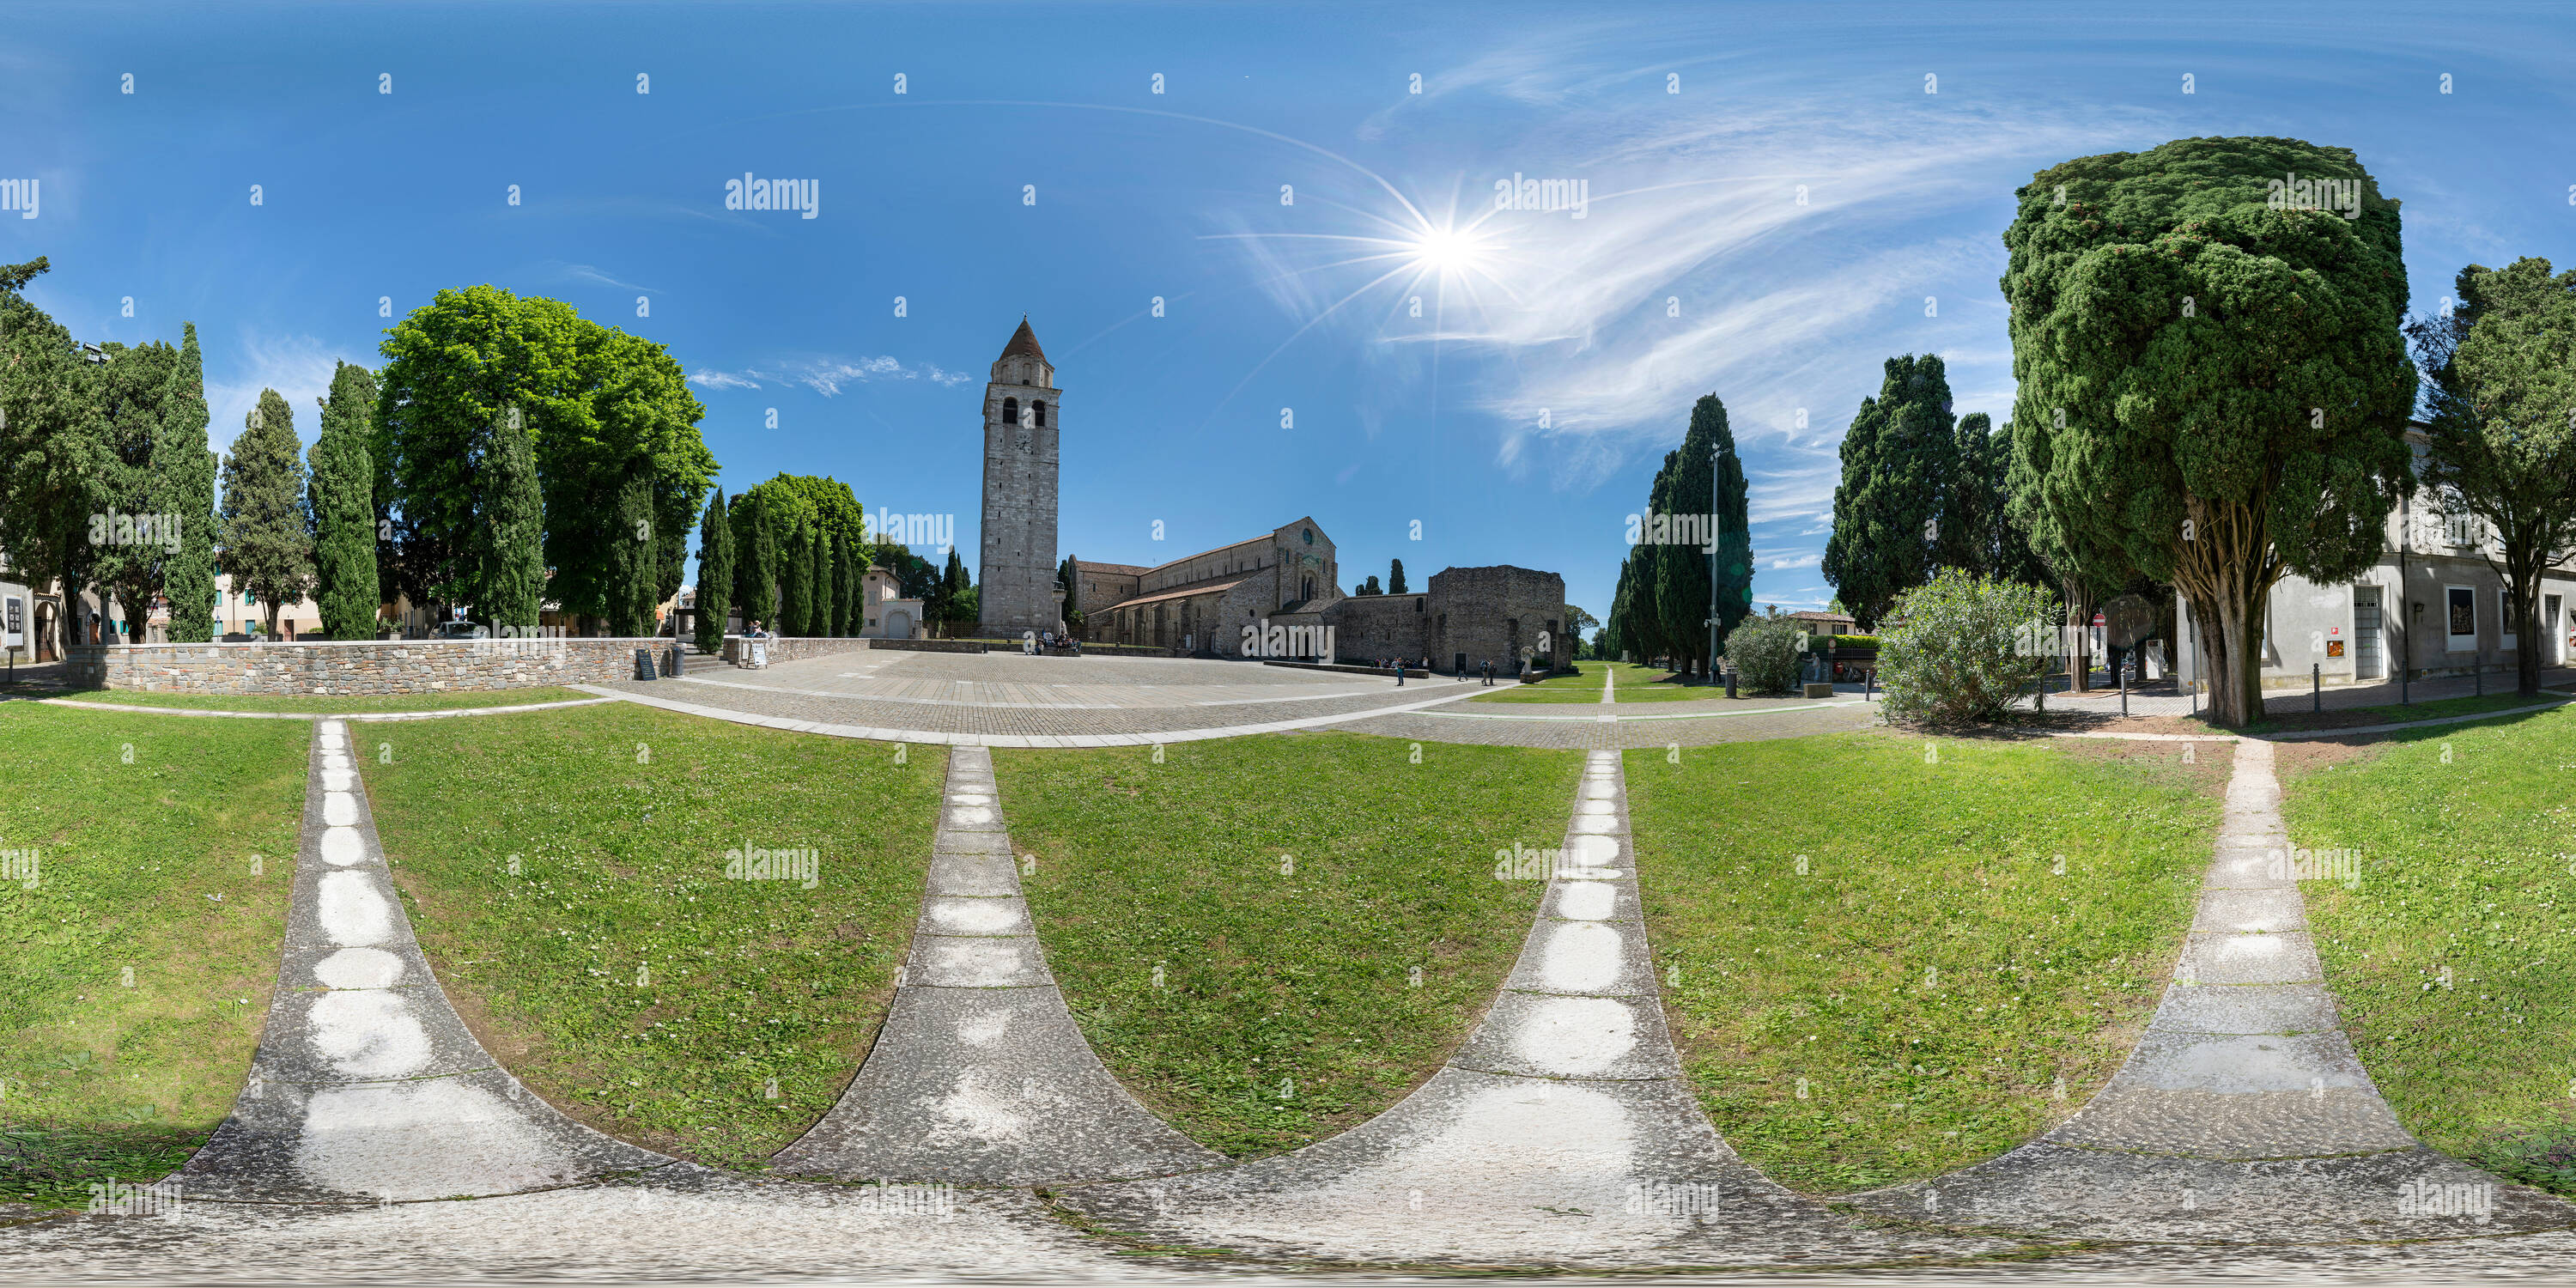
(2528, 645)
(2227, 567)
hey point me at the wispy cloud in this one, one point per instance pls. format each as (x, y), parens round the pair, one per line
(298, 367)
(594, 276)
(828, 376)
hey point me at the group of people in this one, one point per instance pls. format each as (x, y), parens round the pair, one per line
(1050, 642)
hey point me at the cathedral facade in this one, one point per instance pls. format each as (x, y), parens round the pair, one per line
(1235, 601)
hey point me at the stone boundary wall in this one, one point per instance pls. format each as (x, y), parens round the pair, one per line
(357, 667)
(790, 648)
(1351, 668)
(932, 646)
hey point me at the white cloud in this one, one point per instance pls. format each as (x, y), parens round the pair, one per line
(592, 275)
(298, 367)
(828, 376)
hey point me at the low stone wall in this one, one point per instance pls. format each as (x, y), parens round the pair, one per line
(356, 666)
(784, 648)
(1348, 668)
(932, 646)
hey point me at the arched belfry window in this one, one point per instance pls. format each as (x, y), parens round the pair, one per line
(1010, 411)
(1040, 409)
(1309, 586)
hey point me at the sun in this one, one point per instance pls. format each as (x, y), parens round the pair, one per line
(1446, 249)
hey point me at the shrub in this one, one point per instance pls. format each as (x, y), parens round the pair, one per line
(1765, 653)
(1950, 652)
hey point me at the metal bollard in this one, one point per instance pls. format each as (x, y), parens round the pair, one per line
(1730, 681)
(2124, 692)
(2316, 687)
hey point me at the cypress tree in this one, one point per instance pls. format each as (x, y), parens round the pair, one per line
(510, 563)
(131, 552)
(52, 448)
(715, 574)
(183, 471)
(796, 606)
(827, 575)
(756, 562)
(853, 566)
(341, 496)
(1395, 577)
(634, 559)
(268, 541)
(1681, 568)
(952, 592)
(1900, 458)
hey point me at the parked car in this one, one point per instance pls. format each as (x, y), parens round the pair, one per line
(461, 631)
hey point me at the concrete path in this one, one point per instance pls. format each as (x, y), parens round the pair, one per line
(2243, 1115)
(1561, 1134)
(366, 1086)
(363, 716)
(980, 1076)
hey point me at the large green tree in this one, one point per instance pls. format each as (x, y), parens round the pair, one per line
(715, 574)
(2500, 414)
(183, 471)
(132, 386)
(341, 497)
(267, 536)
(1900, 460)
(2082, 584)
(53, 451)
(505, 576)
(600, 403)
(2211, 353)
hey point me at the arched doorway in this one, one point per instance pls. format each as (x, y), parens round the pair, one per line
(898, 625)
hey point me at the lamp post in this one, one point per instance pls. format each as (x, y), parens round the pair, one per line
(1714, 456)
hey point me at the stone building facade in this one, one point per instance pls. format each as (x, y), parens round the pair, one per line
(1022, 413)
(1288, 578)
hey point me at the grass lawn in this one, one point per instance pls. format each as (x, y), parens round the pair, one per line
(144, 830)
(2284, 715)
(1261, 1005)
(1633, 683)
(2454, 954)
(324, 705)
(1909, 1004)
(618, 972)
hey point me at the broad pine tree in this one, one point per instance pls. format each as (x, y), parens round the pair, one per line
(183, 487)
(2206, 336)
(268, 539)
(508, 538)
(1900, 457)
(341, 494)
(715, 574)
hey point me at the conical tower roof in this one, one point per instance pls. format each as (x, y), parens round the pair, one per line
(1024, 342)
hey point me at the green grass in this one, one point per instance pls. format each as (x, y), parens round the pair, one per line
(144, 830)
(2455, 954)
(316, 704)
(619, 972)
(1633, 683)
(1908, 1005)
(2284, 715)
(1260, 1010)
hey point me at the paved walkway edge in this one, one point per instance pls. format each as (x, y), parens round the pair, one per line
(366, 1086)
(1561, 1133)
(2243, 1115)
(950, 739)
(361, 716)
(980, 1076)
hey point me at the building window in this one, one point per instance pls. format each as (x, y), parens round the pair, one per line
(2461, 608)
(1010, 411)
(1039, 410)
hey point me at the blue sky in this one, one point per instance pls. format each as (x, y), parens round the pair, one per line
(1518, 418)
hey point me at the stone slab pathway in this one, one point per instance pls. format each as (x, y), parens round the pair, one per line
(366, 1087)
(2242, 1115)
(980, 1076)
(1560, 1134)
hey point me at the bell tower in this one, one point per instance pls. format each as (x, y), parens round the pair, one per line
(1016, 573)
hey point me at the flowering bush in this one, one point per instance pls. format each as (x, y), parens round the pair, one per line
(1957, 651)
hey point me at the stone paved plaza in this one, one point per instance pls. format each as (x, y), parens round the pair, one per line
(1002, 699)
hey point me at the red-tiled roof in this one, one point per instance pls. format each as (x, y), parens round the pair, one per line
(1208, 588)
